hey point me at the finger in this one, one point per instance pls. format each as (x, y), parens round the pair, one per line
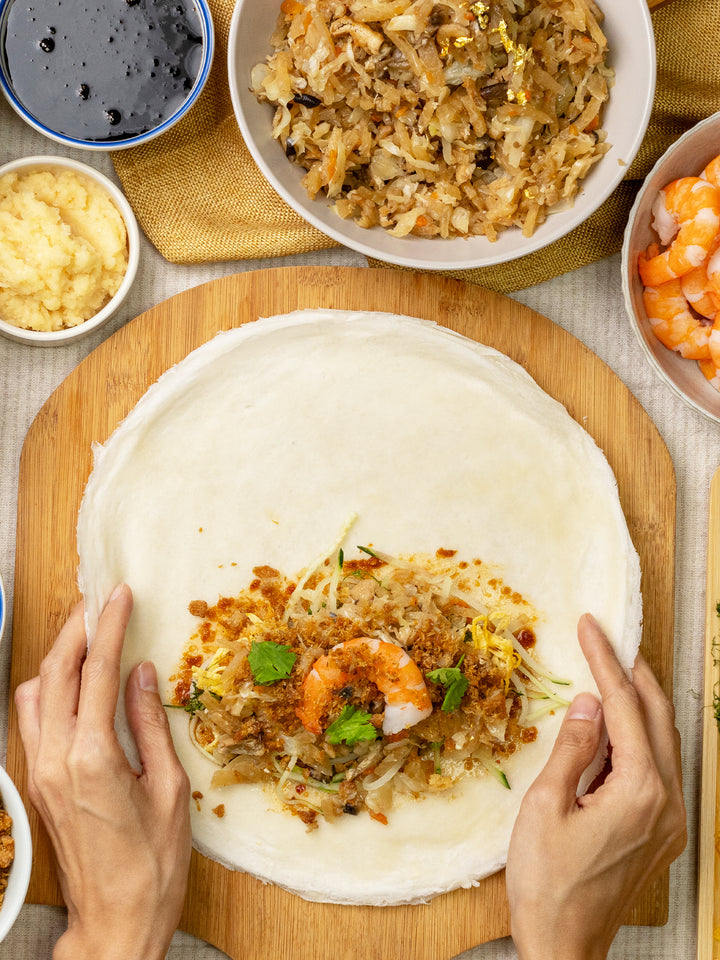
(623, 713)
(149, 725)
(27, 704)
(101, 672)
(660, 718)
(60, 681)
(665, 744)
(576, 746)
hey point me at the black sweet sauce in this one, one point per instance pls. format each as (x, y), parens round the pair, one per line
(102, 70)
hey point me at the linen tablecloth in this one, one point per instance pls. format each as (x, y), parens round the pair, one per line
(587, 303)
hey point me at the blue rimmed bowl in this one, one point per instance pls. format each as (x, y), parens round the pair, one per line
(104, 83)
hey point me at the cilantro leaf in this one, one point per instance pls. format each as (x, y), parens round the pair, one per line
(455, 683)
(368, 551)
(270, 661)
(194, 703)
(352, 725)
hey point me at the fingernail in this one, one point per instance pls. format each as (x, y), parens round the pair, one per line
(592, 621)
(584, 707)
(147, 677)
(117, 591)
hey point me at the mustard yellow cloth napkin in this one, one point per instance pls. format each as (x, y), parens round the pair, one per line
(199, 196)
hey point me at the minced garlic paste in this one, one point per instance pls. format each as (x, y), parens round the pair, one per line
(63, 249)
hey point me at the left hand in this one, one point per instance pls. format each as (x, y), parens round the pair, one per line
(121, 837)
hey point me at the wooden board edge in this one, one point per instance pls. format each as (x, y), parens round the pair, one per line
(708, 909)
(658, 444)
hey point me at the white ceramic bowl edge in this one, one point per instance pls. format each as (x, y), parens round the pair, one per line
(19, 876)
(686, 157)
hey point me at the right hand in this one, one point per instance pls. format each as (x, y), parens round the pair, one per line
(577, 864)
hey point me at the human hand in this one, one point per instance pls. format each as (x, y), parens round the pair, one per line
(121, 837)
(577, 864)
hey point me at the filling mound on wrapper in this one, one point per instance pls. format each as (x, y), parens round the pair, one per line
(362, 680)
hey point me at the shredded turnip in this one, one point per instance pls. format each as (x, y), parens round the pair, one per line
(439, 119)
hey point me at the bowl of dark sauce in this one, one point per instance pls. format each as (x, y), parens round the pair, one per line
(104, 74)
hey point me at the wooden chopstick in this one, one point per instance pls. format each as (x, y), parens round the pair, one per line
(708, 854)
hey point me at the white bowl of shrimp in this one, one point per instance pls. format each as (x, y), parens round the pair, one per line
(671, 267)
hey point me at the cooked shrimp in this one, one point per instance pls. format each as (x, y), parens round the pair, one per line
(710, 372)
(673, 323)
(688, 210)
(712, 172)
(387, 665)
(712, 266)
(712, 269)
(699, 288)
(714, 341)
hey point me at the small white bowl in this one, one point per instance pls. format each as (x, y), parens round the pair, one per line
(631, 44)
(687, 157)
(58, 337)
(19, 876)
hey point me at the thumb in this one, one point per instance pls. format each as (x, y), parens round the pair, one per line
(148, 721)
(575, 747)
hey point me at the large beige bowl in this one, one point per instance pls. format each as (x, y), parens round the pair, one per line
(632, 46)
(686, 158)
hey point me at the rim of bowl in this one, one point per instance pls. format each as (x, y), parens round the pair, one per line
(105, 145)
(413, 256)
(19, 877)
(676, 147)
(56, 337)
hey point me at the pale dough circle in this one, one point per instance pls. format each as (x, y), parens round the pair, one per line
(256, 448)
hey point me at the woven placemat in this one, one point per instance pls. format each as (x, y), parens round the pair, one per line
(199, 196)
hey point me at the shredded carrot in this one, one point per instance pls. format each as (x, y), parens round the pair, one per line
(332, 163)
(291, 7)
(422, 221)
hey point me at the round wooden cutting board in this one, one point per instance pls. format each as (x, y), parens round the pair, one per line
(233, 910)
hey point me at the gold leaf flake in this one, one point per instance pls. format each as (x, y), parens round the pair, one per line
(482, 14)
